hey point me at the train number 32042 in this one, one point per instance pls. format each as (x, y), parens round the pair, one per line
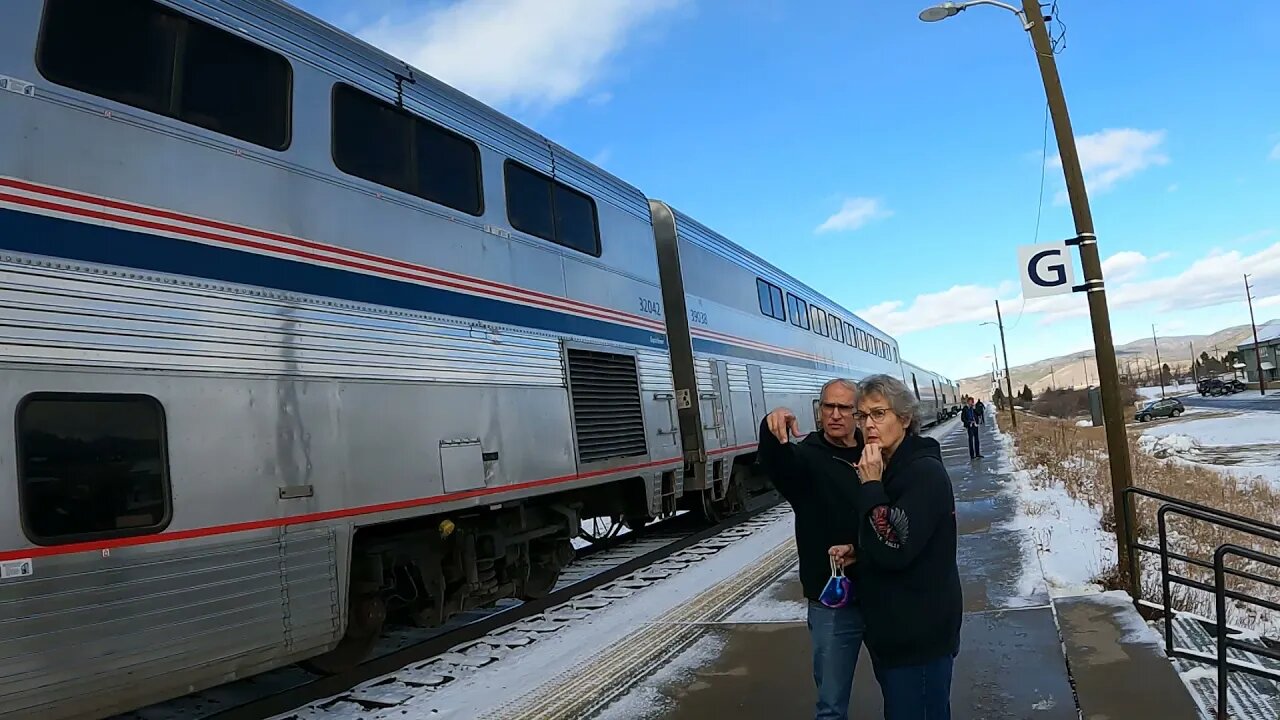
(650, 306)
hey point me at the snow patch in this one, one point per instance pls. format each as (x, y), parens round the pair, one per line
(764, 607)
(647, 700)
(1065, 545)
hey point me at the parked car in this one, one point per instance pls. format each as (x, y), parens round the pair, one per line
(1169, 407)
(1211, 386)
(1234, 386)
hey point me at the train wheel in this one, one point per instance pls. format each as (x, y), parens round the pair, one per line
(543, 575)
(711, 510)
(364, 627)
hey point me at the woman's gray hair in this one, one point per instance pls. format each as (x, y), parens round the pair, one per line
(901, 399)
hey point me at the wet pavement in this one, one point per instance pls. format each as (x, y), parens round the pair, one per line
(756, 662)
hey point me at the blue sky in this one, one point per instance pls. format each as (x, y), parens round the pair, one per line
(896, 165)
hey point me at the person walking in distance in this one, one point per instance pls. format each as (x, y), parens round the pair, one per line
(969, 416)
(817, 477)
(908, 577)
(980, 411)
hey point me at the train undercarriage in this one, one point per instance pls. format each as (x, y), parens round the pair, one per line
(423, 571)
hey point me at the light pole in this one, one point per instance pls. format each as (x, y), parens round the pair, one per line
(1008, 381)
(1033, 21)
(1159, 366)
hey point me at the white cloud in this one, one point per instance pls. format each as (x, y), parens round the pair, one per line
(1112, 155)
(1173, 187)
(1275, 152)
(600, 98)
(1123, 265)
(854, 213)
(959, 304)
(1217, 278)
(515, 52)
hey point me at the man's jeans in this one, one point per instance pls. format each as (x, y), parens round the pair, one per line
(917, 692)
(836, 634)
(974, 449)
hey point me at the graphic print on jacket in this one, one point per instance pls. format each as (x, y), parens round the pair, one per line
(891, 525)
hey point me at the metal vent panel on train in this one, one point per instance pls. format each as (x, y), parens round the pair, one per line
(607, 415)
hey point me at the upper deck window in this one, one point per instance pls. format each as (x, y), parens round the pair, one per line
(92, 466)
(770, 296)
(145, 55)
(551, 210)
(799, 310)
(382, 143)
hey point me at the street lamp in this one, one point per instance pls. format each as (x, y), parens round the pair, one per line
(1033, 21)
(950, 9)
(1008, 380)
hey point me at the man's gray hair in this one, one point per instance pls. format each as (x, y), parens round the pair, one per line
(901, 399)
(850, 385)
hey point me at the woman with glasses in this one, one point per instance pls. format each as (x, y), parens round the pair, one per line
(908, 580)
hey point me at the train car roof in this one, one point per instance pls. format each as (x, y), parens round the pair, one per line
(713, 241)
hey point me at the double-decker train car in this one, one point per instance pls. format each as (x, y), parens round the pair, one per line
(296, 338)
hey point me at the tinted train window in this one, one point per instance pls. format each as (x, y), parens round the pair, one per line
(141, 54)
(849, 335)
(576, 221)
(381, 143)
(91, 466)
(553, 211)
(820, 323)
(799, 310)
(770, 297)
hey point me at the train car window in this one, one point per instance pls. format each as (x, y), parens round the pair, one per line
(377, 141)
(837, 329)
(553, 211)
(799, 310)
(142, 54)
(92, 466)
(576, 221)
(848, 334)
(915, 385)
(529, 205)
(821, 324)
(770, 297)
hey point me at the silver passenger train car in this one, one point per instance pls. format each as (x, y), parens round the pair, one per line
(296, 337)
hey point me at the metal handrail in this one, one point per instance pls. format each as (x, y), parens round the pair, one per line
(1224, 519)
(1224, 642)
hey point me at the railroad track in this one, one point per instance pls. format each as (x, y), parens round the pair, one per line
(432, 657)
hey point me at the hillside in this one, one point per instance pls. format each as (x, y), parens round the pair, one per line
(1071, 370)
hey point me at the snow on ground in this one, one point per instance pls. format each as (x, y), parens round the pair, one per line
(647, 699)
(502, 682)
(1153, 393)
(1245, 444)
(1067, 545)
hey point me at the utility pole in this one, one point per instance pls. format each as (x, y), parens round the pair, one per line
(1008, 380)
(1257, 349)
(1159, 365)
(1195, 374)
(1085, 362)
(1053, 379)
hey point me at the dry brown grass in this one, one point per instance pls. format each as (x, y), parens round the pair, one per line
(1076, 457)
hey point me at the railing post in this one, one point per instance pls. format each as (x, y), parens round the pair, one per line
(1220, 600)
(1165, 587)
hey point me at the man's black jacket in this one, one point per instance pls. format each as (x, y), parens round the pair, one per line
(821, 483)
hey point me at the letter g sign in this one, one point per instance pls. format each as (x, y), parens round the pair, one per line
(1045, 269)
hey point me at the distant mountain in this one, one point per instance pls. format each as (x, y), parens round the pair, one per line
(1081, 369)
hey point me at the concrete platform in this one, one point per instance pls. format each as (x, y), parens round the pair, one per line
(1118, 663)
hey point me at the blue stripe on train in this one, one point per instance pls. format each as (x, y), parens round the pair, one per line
(43, 235)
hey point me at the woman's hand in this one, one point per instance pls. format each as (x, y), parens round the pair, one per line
(844, 555)
(871, 465)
